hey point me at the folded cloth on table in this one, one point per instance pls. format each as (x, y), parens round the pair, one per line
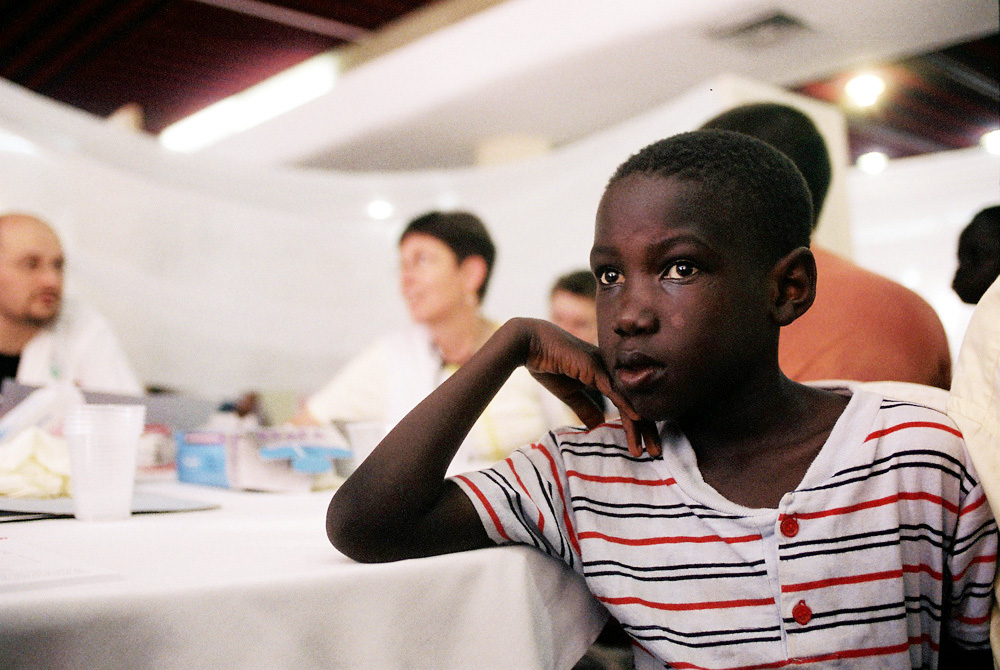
(34, 464)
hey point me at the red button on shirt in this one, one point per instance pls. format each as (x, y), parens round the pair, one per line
(801, 613)
(789, 526)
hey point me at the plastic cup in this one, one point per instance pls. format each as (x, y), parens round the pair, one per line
(103, 442)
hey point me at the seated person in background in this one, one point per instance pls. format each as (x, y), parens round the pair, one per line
(862, 326)
(43, 338)
(978, 256)
(573, 307)
(768, 523)
(245, 413)
(446, 259)
(572, 304)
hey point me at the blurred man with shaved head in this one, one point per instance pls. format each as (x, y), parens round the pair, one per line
(43, 340)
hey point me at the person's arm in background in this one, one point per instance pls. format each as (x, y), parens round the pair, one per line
(398, 504)
(356, 393)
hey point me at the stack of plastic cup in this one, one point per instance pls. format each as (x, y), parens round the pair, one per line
(103, 441)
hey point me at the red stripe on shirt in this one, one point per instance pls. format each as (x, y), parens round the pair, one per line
(486, 504)
(913, 424)
(541, 518)
(973, 505)
(924, 568)
(978, 559)
(688, 607)
(925, 639)
(680, 539)
(620, 480)
(973, 620)
(838, 581)
(878, 502)
(850, 653)
(868, 577)
(562, 496)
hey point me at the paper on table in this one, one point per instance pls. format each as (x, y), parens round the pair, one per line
(25, 567)
(25, 509)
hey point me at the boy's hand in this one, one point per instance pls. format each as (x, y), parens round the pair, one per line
(566, 365)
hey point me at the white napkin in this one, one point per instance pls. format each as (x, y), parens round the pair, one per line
(34, 464)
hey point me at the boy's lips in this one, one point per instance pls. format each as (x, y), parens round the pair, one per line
(635, 370)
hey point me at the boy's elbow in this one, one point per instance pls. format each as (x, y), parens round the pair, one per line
(346, 534)
(353, 536)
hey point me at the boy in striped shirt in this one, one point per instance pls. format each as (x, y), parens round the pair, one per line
(732, 518)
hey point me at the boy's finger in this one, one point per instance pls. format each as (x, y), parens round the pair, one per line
(651, 438)
(585, 408)
(632, 437)
(603, 384)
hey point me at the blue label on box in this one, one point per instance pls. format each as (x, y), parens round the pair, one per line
(202, 463)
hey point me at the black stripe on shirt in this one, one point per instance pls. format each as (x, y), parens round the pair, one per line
(515, 507)
(900, 455)
(665, 511)
(968, 541)
(675, 572)
(895, 538)
(893, 403)
(691, 638)
(873, 473)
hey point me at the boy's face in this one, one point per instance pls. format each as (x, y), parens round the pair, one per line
(682, 303)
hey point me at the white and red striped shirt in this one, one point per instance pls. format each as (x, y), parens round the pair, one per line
(888, 527)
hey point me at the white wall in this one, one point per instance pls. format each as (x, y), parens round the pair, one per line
(906, 223)
(221, 278)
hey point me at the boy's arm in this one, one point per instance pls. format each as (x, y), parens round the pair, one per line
(397, 504)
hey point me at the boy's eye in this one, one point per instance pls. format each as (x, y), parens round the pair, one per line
(681, 270)
(608, 277)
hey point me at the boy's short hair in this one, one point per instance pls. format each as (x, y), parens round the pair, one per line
(581, 283)
(741, 179)
(464, 233)
(792, 133)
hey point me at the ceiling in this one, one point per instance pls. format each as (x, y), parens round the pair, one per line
(171, 57)
(944, 99)
(546, 76)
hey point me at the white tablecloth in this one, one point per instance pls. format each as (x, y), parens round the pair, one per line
(256, 584)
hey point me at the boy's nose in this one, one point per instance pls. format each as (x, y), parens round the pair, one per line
(636, 315)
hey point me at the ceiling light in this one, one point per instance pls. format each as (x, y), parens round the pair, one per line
(447, 201)
(380, 210)
(991, 141)
(872, 162)
(864, 89)
(270, 98)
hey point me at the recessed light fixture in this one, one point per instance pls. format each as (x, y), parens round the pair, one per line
(872, 162)
(380, 210)
(864, 89)
(447, 201)
(991, 141)
(270, 98)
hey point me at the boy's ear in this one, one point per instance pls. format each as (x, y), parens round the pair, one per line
(793, 285)
(473, 271)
